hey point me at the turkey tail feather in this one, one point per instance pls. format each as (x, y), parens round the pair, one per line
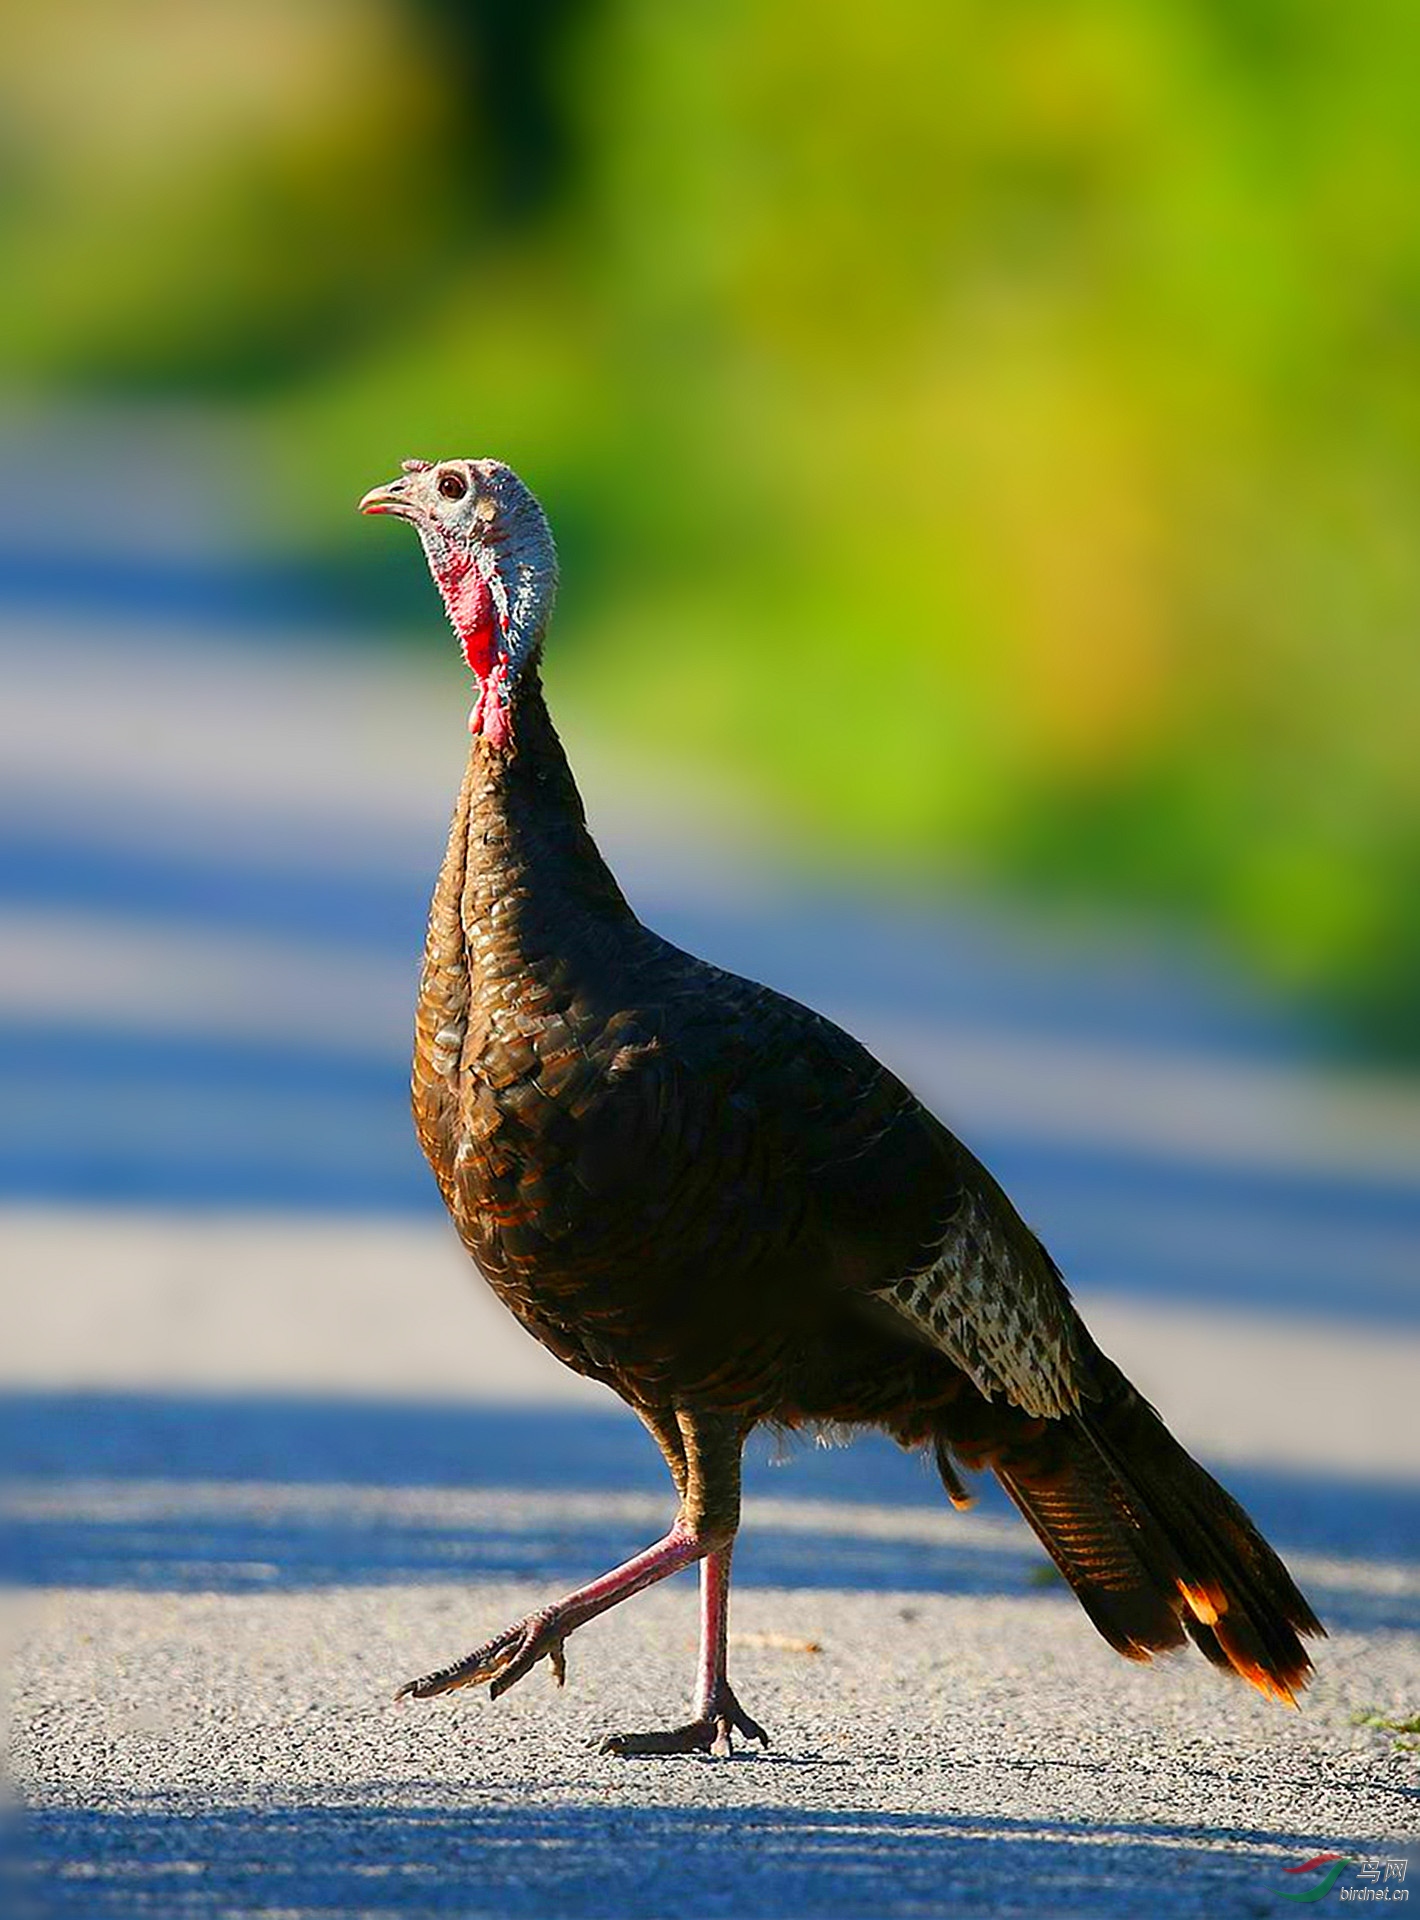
(1152, 1546)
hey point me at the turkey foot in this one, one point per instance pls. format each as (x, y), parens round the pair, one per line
(709, 1734)
(512, 1654)
(503, 1660)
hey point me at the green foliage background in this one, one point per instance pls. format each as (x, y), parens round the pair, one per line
(987, 433)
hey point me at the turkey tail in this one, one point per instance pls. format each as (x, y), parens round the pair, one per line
(1153, 1547)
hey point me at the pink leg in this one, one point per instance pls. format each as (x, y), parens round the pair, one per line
(717, 1712)
(714, 1629)
(703, 1454)
(512, 1654)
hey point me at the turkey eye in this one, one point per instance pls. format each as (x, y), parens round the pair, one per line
(452, 486)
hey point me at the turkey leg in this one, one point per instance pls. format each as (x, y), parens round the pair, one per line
(691, 1450)
(718, 1713)
(703, 1453)
(510, 1655)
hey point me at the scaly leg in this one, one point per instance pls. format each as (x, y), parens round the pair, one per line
(510, 1655)
(703, 1454)
(717, 1712)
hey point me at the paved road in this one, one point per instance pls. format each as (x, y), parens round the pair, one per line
(269, 1451)
(239, 1534)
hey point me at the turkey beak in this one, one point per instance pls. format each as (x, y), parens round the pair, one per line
(393, 498)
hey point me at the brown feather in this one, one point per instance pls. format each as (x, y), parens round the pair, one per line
(697, 1190)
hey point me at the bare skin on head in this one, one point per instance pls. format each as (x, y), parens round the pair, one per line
(491, 553)
(718, 1203)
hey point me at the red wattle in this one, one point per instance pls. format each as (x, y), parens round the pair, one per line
(490, 713)
(480, 629)
(469, 599)
(496, 730)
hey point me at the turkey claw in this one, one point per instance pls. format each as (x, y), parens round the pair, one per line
(710, 1734)
(502, 1661)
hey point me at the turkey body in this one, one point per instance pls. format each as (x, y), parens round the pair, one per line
(686, 1184)
(711, 1198)
(721, 1205)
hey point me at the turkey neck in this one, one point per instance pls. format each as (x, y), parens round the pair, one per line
(523, 885)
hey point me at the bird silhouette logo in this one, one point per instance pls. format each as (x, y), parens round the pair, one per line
(1335, 1865)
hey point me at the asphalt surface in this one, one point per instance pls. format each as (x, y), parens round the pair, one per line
(270, 1450)
(229, 1570)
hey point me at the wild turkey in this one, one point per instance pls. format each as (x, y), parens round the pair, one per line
(717, 1202)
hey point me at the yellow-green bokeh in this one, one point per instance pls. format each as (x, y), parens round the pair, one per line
(988, 433)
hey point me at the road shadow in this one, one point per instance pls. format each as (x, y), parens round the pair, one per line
(197, 1120)
(95, 1466)
(643, 1861)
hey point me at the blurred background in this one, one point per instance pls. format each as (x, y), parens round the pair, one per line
(984, 444)
(986, 439)
(985, 448)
